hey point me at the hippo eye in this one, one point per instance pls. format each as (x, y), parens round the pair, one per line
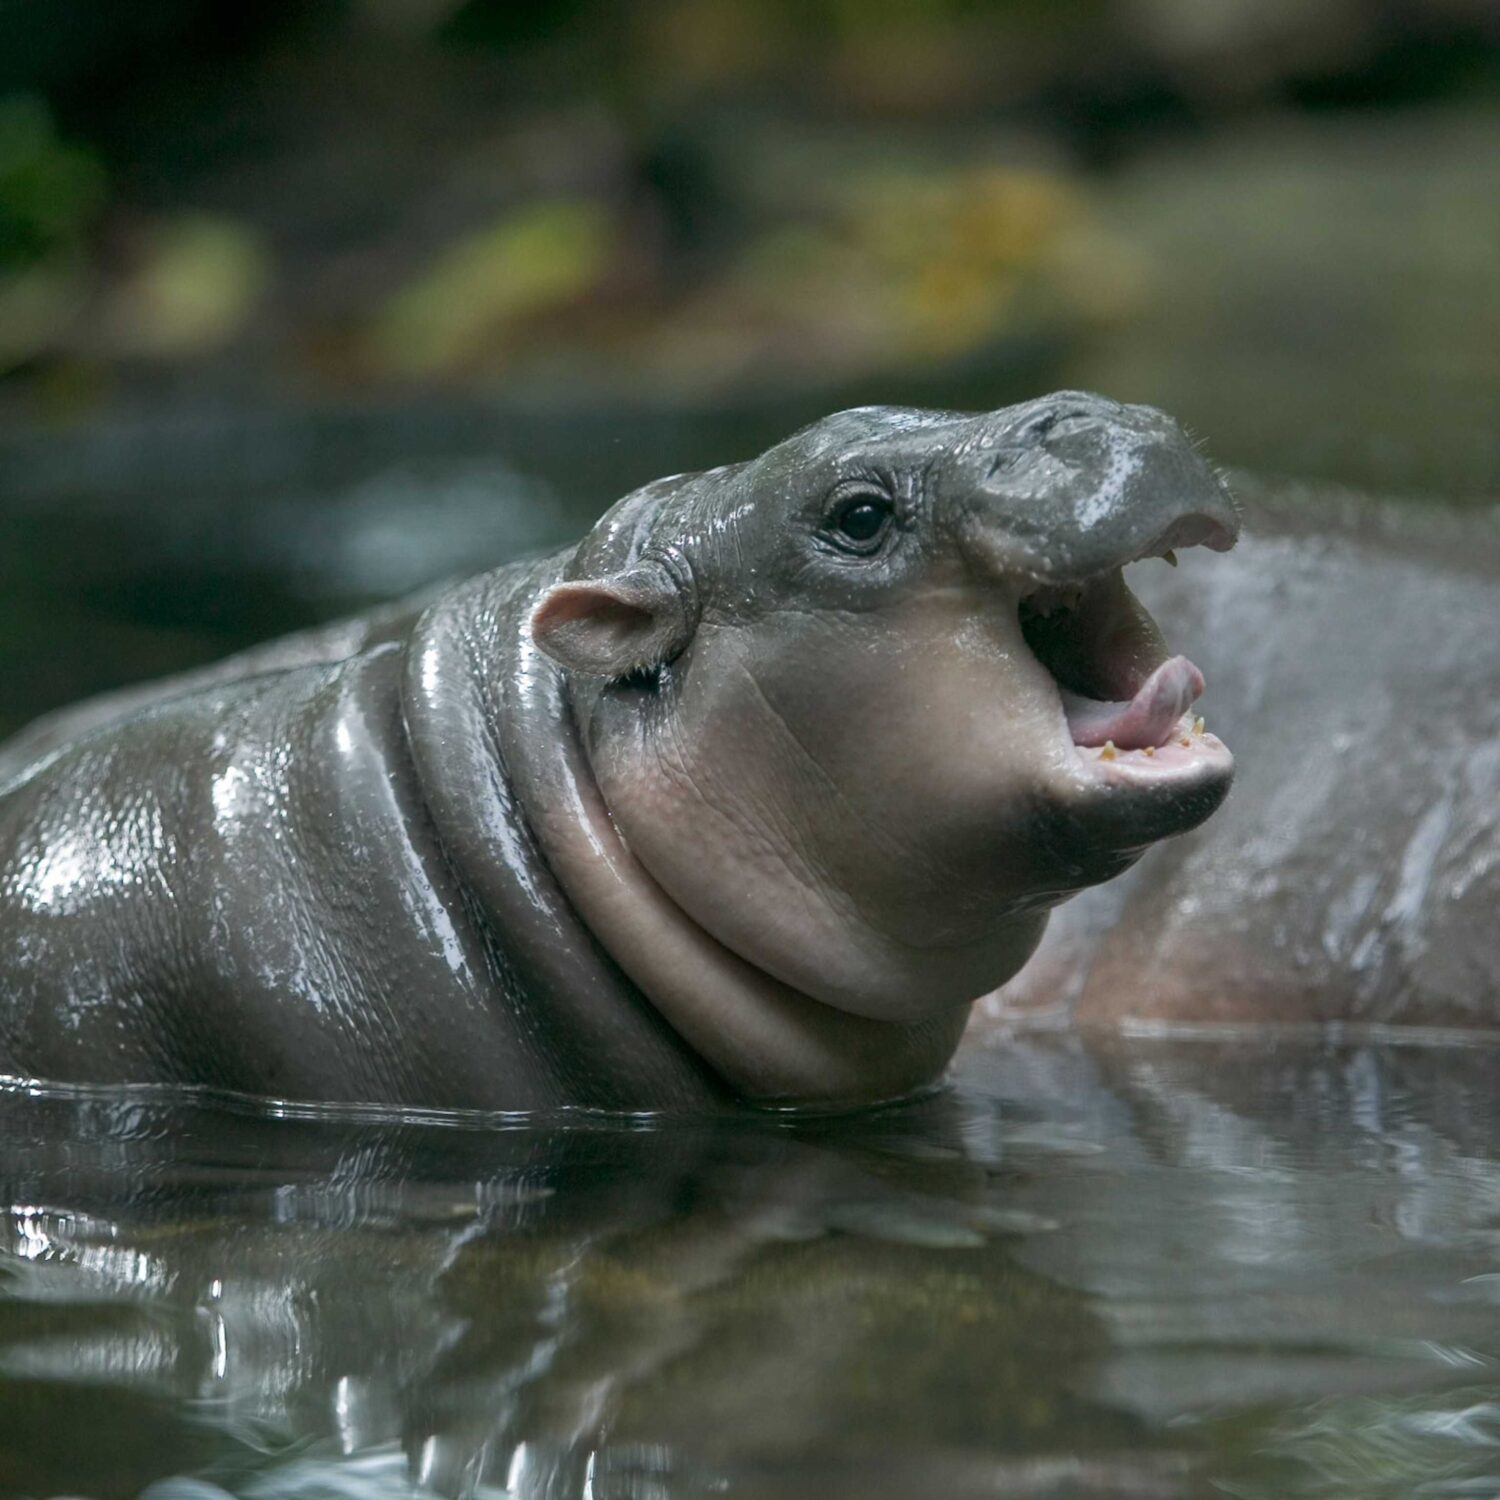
(858, 522)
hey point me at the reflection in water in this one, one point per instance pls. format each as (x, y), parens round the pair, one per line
(1146, 1269)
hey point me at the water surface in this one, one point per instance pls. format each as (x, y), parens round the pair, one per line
(1261, 1268)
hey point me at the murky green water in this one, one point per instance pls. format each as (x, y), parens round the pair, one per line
(1158, 1269)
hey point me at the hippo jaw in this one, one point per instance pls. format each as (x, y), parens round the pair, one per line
(1074, 490)
(1139, 763)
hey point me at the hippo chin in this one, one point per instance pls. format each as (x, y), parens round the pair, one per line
(750, 794)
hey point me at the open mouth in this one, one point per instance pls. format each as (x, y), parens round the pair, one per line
(1125, 698)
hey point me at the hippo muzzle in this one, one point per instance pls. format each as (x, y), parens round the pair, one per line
(1070, 487)
(1054, 501)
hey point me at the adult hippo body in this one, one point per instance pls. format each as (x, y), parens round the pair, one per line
(1354, 876)
(752, 793)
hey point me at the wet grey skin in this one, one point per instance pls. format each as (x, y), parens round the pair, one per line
(750, 795)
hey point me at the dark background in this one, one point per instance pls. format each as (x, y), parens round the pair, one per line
(304, 304)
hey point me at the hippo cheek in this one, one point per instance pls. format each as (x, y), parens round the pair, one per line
(885, 766)
(915, 736)
(843, 800)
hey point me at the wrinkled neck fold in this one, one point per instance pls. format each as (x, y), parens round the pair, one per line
(605, 1046)
(768, 1041)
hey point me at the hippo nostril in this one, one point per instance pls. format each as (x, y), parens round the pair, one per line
(1033, 433)
(1074, 420)
(1006, 458)
(1048, 423)
(1038, 429)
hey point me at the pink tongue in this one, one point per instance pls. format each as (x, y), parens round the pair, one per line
(1147, 719)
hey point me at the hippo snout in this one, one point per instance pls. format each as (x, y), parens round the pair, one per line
(1075, 485)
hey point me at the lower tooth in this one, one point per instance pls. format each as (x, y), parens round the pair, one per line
(1108, 752)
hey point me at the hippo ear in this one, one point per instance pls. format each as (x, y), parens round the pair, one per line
(611, 627)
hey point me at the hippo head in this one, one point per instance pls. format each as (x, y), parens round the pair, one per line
(867, 706)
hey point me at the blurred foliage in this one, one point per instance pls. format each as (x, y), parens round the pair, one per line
(682, 197)
(465, 306)
(894, 268)
(254, 251)
(50, 190)
(192, 283)
(51, 194)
